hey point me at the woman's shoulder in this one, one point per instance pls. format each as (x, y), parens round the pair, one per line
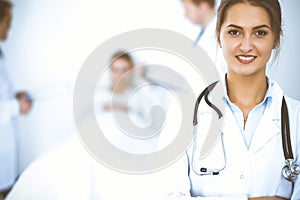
(278, 92)
(293, 104)
(292, 100)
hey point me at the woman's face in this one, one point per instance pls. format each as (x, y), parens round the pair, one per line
(247, 39)
(119, 69)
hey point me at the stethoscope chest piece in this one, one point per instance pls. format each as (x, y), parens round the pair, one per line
(291, 170)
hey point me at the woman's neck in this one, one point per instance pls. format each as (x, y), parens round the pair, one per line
(246, 91)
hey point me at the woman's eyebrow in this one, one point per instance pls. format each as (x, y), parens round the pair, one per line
(262, 26)
(234, 26)
(256, 27)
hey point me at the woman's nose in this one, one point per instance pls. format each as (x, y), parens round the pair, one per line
(246, 44)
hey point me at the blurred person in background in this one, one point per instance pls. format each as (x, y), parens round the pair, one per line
(124, 98)
(203, 14)
(121, 83)
(11, 106)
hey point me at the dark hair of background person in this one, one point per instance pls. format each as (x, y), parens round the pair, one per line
(4, 6)
(210, 2)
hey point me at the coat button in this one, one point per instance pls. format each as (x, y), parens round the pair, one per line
(241, 176)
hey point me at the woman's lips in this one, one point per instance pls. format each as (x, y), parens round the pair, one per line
(245, 59)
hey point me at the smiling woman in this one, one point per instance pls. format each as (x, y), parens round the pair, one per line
(248, 36)
(247, 40)
(248, 31)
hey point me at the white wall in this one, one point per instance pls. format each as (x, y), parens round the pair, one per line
(50, 40)
(287, 71)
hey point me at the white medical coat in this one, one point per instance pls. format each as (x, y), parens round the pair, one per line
(253, 172)
(9, 108)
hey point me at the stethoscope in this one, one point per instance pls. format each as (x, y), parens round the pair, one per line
(291, 169)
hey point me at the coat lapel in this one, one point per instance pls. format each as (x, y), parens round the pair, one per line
(231, 130)
(265, 131)
(269, 125)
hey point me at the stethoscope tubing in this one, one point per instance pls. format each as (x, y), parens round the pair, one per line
(290, 170)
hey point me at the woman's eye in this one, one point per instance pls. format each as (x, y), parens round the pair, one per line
(261, 33)
(233, 32)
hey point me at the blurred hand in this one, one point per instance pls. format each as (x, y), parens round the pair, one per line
(115, 106)
(25, 102)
